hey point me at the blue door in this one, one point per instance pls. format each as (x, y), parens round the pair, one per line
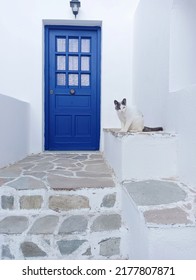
(72, 88)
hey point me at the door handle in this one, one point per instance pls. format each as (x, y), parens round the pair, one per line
(51, 91)
(72, 91)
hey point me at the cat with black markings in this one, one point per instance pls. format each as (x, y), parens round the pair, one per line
(131, 118)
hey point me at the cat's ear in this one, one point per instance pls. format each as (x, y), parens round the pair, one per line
(124, 101)
(115, 102)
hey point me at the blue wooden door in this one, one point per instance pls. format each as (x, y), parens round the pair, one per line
(72, 88)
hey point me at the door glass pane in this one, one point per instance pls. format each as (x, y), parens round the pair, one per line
(73, 45)
(85, 80)
(73, 62)
(60, 62)
(73, 79)
(85, 45)
(61, 80)
(61, 44)
(85, 63)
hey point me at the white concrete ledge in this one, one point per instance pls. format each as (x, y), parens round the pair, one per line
(141, 155)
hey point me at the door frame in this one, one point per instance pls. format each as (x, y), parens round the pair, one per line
(47, 29)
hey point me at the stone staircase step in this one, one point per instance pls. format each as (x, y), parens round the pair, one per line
(60, 206)
(164, 217)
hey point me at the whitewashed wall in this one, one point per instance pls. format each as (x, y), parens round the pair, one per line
(164, 67)
(151, 59)
(182, 44)
(21, 56)
(14, 130)
(181, 111)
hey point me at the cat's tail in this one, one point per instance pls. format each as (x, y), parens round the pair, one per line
(148, 129)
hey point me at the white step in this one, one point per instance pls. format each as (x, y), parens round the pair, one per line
(160, 219)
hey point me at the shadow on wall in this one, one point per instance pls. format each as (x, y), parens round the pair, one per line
(14, 130)
(181, 117)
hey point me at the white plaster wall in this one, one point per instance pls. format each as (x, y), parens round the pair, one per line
(182, 118)
(172, 243)
(141, 156)
(21, 57)
(14, 130)
(151, 59)
(135, 242)
(149, 156)
(113, 153)
(181, 102)
(182, 44)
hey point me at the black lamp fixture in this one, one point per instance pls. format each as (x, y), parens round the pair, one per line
(75, 5)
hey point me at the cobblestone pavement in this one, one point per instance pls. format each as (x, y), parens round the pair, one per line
(59, 206)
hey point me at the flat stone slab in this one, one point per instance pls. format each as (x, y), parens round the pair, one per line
(81, 157)
(42, 166)
(27, 183)
(6, 254)
(7, 202)
(10, 172)
(13, 225)
(99, 168)
(154, 192)
(39, 175)
(30, 250)
(77, 223)
(31, 202)
(110, 247)
(66, 162)
(68, 202)
(61, 183)
(4, 181)
(67, 247)
(170, 216)
(109, 200)
(96, 156)
(44, 225)
(33, 158)
(106, 223)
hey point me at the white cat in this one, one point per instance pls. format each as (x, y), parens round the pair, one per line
(131, 118)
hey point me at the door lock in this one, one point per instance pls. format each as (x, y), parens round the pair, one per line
(51, 91)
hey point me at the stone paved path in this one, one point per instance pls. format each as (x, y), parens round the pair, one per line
(59, 206)
(58, 171)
